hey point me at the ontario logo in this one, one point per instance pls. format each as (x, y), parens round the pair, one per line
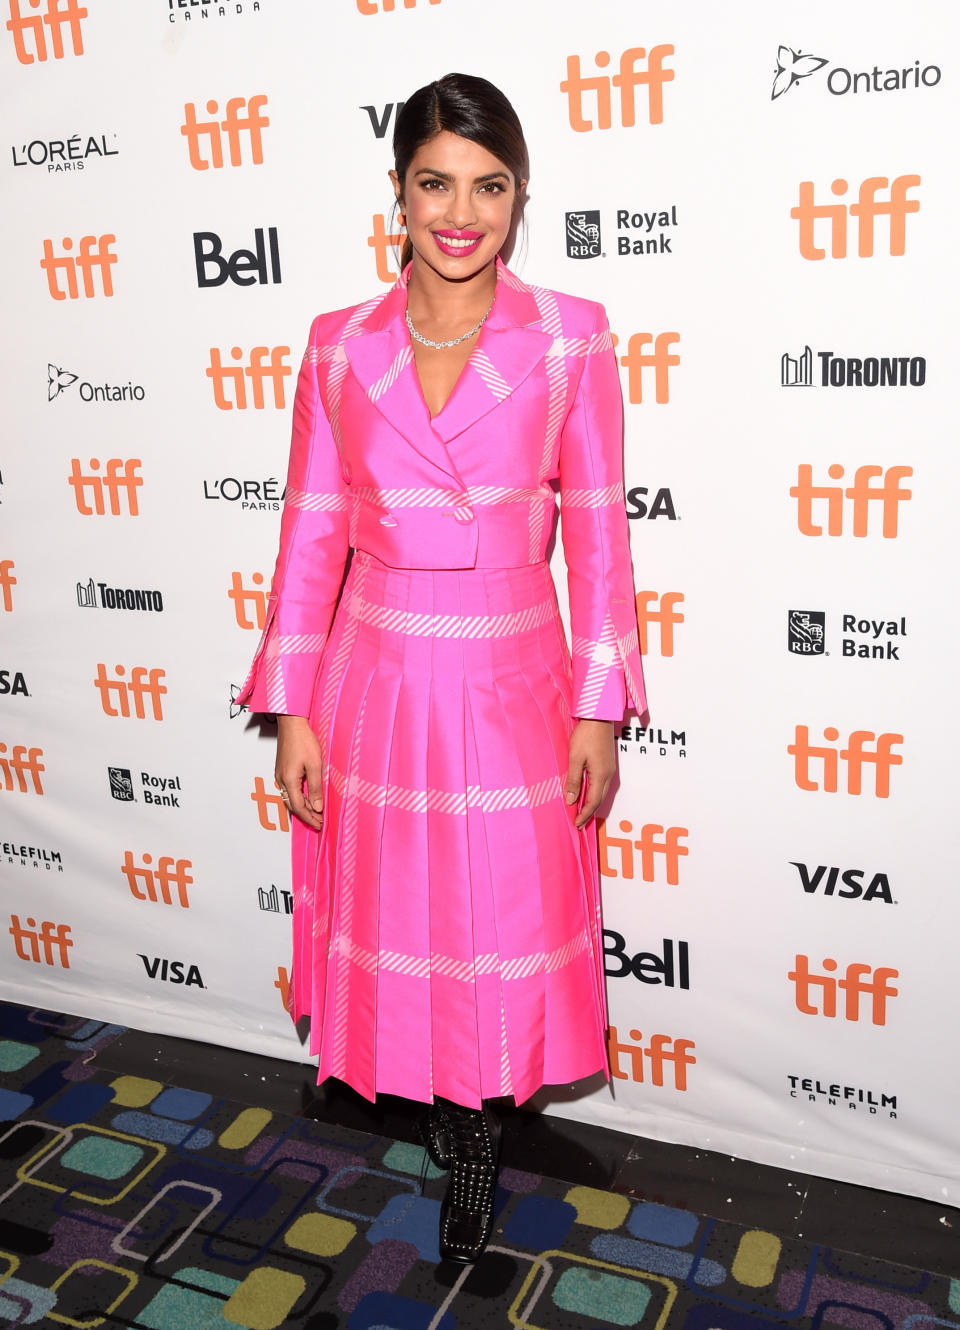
(60, 379)
(793, 66)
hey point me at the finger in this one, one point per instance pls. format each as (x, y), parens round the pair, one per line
(314, 783)
(574, 780)
(292, 782)
(596, 793)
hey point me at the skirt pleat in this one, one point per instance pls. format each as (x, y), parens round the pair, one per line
(447, 918)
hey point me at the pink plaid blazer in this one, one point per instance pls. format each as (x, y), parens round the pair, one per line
(536, 414)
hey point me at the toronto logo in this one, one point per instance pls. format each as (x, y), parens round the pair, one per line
(792, 66)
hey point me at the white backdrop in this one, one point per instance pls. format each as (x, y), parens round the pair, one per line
(779, 950)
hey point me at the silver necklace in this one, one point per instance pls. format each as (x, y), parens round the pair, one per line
(453, 341)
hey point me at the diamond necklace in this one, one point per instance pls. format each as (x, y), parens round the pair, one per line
(453, 341)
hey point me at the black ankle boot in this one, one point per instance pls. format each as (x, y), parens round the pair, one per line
(466, 1216)
(435, 1134)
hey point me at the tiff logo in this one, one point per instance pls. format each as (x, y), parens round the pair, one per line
(241, 597)
(855, 984)
(118, 487)
(53, 940)
(881, 758)
(15, 769)
(867, 208)
(381, 241)
(95, 256)
(660, 359)
(387, 6)
(7, 583)
(861, 494)
(233, 127)
(627, 81)
(661, 1049)
(265, 802)
(282, 982)
(648, 847)
(797, 371)
(143, 684)
(152, 884)
(666, 616)
(266, 363)
(59, 13)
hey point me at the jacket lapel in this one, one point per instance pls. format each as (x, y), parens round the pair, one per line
(511, 344)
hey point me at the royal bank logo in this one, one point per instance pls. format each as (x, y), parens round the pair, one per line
(157, 791)
(833, 371)
(796, 66)
(806, 632)
(583, 235)
(121, 784)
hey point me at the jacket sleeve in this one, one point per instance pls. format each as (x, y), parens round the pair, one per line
(313, 551)
(607, 670)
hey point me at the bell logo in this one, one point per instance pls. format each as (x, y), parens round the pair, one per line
(648, 846)
(660, 1050)
(265, 363)
(627, 80)
(866, 209)
(152, 884)
(7, 583)
(143, 684)
(882, 758)
(60, 13)
(381, 242)
(241, 597)
(245, 267)
(118, 487)
(95, 255)
(861, 494)
(233, 126)
(854, 985)
(387, 6)
(50, 939)
(265, 802)
(665, 616)
(15, 769)
(660, 359)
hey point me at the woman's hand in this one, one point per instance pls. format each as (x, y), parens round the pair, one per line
(299, 764)
(592, 750)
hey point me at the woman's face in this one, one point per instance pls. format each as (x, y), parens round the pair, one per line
(458, 200)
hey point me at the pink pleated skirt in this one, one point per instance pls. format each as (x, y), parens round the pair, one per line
(446, 923)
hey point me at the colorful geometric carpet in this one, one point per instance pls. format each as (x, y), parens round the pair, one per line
(125, 1201)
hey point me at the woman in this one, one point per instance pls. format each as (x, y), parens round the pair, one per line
(442, 754)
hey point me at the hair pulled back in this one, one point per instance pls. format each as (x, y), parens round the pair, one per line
(466, 105)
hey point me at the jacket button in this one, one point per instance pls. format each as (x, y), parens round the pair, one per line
(388, 520)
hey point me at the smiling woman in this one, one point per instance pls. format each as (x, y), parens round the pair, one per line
(442, 751)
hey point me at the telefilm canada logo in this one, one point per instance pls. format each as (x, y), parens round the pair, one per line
(638, 232)
(794, 66)
(60, 379)
(652, 740)
(40, 857)
(825, 369)
(834, 1094)
(189, 11)
(58, 156)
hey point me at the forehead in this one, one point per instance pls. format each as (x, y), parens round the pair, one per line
(456, 156)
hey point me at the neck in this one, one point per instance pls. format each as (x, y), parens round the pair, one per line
(434, 299)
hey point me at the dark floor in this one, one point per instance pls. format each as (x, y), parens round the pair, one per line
(875, 1223)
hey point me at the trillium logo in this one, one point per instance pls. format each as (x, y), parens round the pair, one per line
(57, 380)
(792, 66)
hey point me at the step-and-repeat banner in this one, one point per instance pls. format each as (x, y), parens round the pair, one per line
(763, 197)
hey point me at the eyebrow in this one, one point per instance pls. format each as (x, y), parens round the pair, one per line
(478, 180)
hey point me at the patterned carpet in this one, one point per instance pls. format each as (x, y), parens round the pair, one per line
(125, 1201)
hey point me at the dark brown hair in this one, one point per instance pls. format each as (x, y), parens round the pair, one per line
(465, 105)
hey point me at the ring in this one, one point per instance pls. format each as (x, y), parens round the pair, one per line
(284, 795)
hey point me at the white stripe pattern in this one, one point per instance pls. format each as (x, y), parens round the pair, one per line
(299, 643)
(454, 802)
(415, 624)
(467, 971)
(556, 408)
(316, 502)
(314, 354)
(388, 379)
(601, 658)
(275, 690)
(600, 498)
(478, 495)
(484, 366)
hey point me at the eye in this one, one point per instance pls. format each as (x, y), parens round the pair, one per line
(428, 184)
(493, 187)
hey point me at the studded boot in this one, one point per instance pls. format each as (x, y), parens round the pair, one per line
(466, 1215)
(435, 1134)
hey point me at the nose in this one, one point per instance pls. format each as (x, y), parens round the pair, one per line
(461, 210)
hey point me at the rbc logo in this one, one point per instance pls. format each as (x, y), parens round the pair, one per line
(232, 126)
(59, 13)
(245, 267)
(95, 256)
(806, 631)
(627, 81)
(866, 210)
(583, 235)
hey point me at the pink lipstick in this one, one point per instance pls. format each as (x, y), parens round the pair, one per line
(457, 244)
